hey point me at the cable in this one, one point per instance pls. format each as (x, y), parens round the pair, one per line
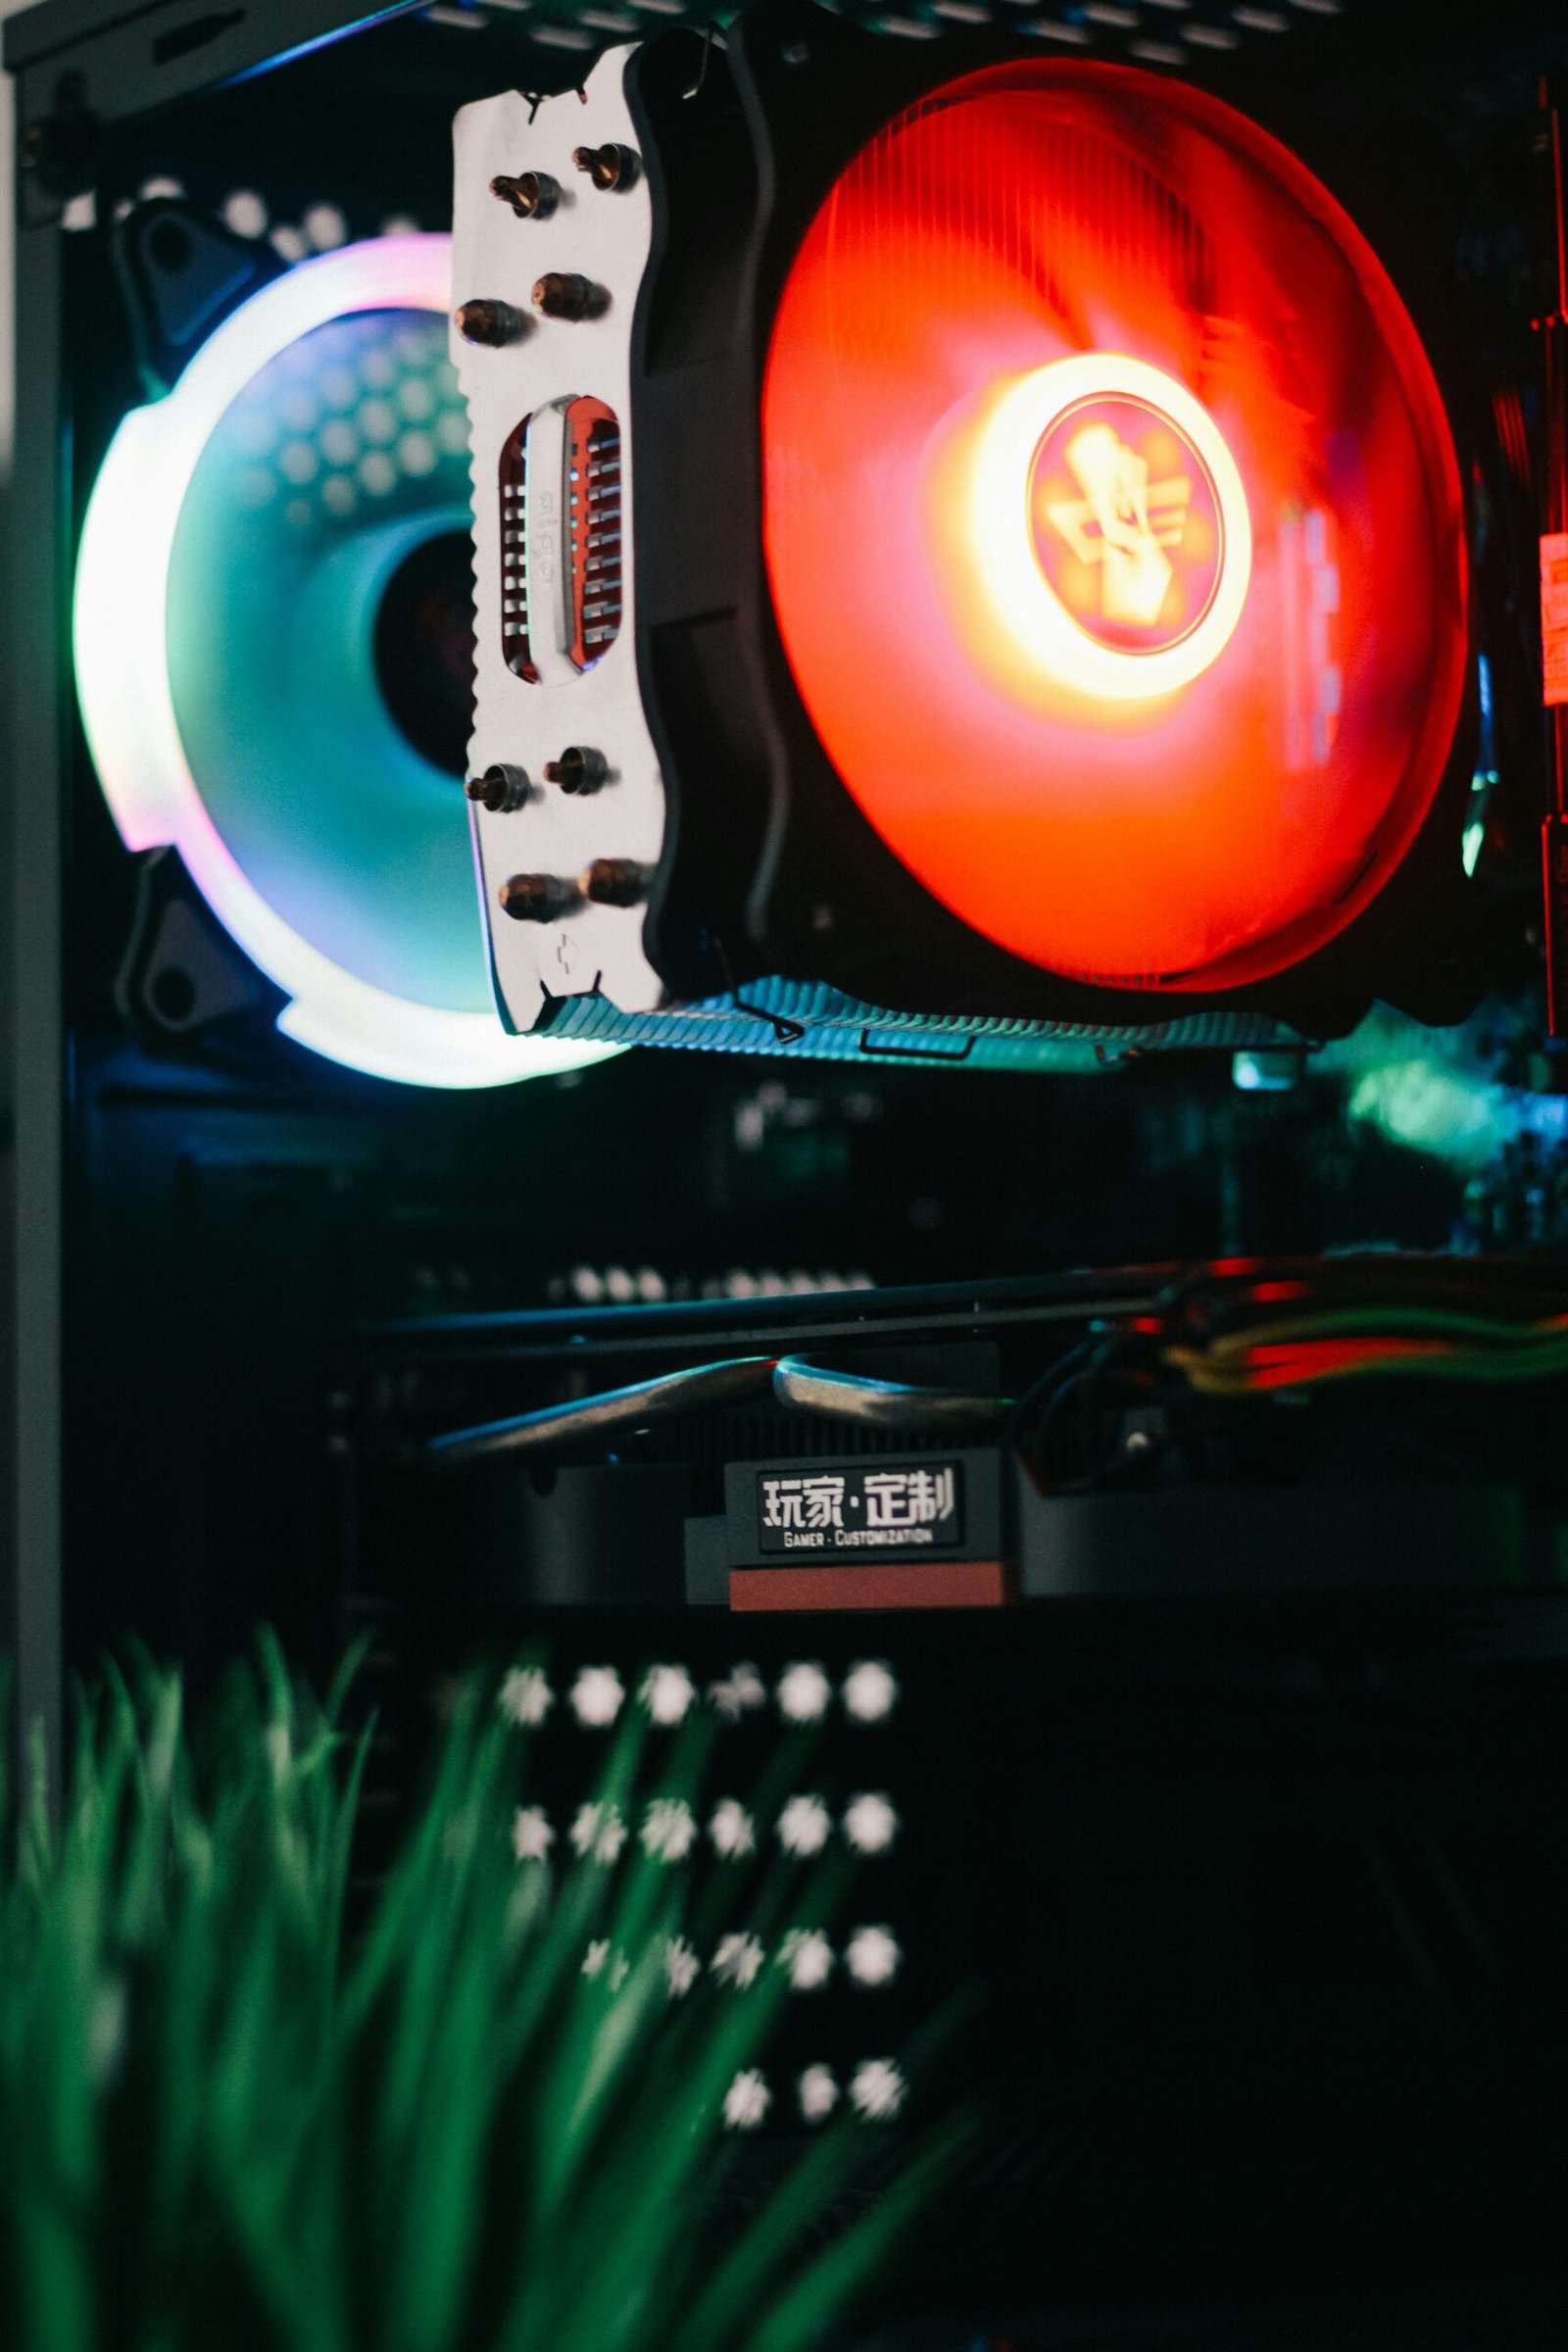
(1326, 1360)
(798, 1386)
(1385, 1321)
(1375, 1339)
(883, 1403)
(737, 1381)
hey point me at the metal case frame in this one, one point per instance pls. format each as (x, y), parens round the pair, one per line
(80, 67)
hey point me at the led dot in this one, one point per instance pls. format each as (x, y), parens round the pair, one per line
(525, 1697)
(339, 442)
(378, 367)
(298, 409)
(871, 1693)
(819, 2093)
(669, 1829)
(747, 2101)
(668, 1694)
(299, 513)
(807, 1959)
(377, 422)
(245, 214)
(416, 455)
(682, 1967)
(376, 472)
(804, 1825)
(416, 400)
(288, 244)
(254, 487)
(452, 433)
(339, 495)
(445, 378)
(325, 227)
(586, 1285)
(803, 1693)
(414, 345)
(255, 433)
(877, 2089)
(531, 1835)
(162, 185)
(732, 1829)
(596, 1696)
(339, 387)
(739, 1695)
(400, 224)
(598, 1833)
(738, 1960)
(297, 463)
(620, 1285)
(872, 1956)
(871, 1823)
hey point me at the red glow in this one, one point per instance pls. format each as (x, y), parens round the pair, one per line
(1028, 743)
(1281, 1367)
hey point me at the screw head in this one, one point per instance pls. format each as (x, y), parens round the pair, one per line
(578, 770)
(564, 294)
(532, 195)
(617, 882)
(500, 787)
(489, 322)
(537, 898)
(608, 167)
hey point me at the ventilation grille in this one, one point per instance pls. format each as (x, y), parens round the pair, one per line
(515, 643)
(596, 552)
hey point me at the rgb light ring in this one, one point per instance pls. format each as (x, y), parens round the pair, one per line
(123, 681)
(1001, 536)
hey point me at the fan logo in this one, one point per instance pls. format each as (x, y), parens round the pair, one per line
(1127, 523)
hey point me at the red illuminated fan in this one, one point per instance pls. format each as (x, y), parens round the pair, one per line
(1112, 527)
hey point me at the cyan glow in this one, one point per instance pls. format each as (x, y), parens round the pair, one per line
(430, 1023)
(1482, 781)
(1452, 1108)
(1267, 1073)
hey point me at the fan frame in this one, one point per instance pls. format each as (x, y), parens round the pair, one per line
(741, 146)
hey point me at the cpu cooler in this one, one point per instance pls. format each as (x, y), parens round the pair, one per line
(968, 563)
(969, 552)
